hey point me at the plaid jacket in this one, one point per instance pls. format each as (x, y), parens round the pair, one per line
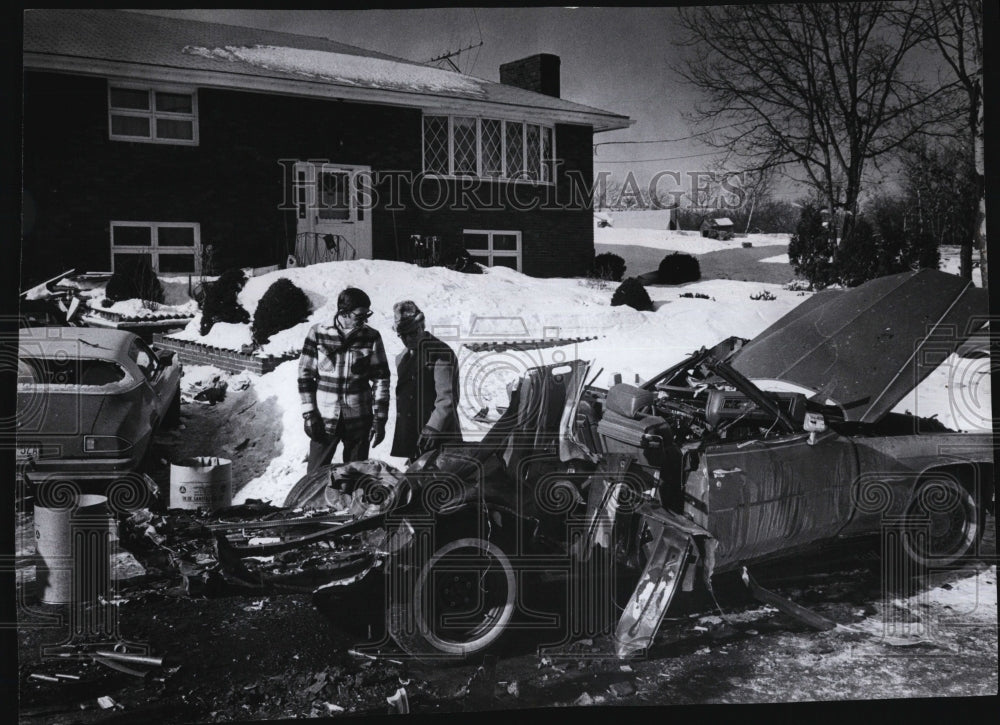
(344, 377)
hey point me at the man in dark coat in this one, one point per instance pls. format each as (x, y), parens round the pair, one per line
(427, 389)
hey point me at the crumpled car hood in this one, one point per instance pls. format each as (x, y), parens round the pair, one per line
(867, 347)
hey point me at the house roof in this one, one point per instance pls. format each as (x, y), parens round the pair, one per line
(122, 44)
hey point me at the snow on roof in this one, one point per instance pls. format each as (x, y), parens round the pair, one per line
(723, 221)
(153, 48)
(343, 68)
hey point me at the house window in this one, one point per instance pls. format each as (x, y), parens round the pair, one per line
(169, 247)
(494, 248)
(436, 144)
(488, 148)
(152, 115)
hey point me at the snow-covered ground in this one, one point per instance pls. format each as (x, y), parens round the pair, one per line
(502, 304)
(951, 262)
(681, 241)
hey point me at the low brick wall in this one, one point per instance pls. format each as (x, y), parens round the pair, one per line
(198, 353)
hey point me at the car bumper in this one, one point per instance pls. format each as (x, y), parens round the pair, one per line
(81, 469)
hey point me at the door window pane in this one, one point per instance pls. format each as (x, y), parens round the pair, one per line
(334, 198)
(505, 262)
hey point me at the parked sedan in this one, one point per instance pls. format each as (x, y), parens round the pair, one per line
(750, 450)
(89, 401)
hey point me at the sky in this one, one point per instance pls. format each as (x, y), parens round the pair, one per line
(600, 65)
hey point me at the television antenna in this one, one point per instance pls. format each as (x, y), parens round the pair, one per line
(445, 59)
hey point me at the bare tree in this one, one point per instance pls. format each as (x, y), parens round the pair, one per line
(955, 29)
(822, 88)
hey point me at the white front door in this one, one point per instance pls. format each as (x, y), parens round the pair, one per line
(333, 210)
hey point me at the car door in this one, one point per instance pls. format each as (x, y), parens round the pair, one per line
(155, 396)
(767, 496)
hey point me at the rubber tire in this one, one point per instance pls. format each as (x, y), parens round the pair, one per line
(423, 640)
(958, 508)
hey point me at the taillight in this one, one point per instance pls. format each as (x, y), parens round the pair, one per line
(105, 444)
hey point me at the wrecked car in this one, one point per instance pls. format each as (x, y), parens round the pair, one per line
(744, 452)
(89, 402)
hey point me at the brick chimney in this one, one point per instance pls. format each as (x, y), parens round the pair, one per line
(539, 73)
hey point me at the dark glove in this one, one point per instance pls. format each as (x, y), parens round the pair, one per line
(314, 426)
(377, 433)
(429, 440)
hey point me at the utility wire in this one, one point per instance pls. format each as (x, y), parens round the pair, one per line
(668, 140)
(671, 158)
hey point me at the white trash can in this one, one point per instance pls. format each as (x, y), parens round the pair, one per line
(204, 482)
(73, 546)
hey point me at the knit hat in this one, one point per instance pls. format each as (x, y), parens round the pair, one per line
(351, 299)
(406, 316)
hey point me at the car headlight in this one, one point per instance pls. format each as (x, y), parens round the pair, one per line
(105, 444)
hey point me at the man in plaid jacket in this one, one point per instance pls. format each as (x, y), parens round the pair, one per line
(344, 383)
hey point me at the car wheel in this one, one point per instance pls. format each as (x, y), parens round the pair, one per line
(459, 603)
(953, 524)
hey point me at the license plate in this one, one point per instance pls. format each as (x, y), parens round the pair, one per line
(25, 452)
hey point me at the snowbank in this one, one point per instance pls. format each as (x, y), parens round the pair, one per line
(502, 304)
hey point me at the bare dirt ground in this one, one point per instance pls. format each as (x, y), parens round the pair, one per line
(239, 428)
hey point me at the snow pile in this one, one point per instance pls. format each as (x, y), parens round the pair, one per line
(681, 241)
(779, 259)
(353, 70)
(951, 262)
(139, 309)
(503, 305)
(499, 305)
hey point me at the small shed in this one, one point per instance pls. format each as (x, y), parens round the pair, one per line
(718, 228)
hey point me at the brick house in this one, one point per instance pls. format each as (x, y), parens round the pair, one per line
(202, 146)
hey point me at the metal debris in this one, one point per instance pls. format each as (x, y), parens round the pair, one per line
(787, 606)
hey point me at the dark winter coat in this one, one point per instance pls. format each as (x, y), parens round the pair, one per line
(427, 394)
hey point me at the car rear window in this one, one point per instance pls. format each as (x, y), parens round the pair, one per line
(55, 371)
